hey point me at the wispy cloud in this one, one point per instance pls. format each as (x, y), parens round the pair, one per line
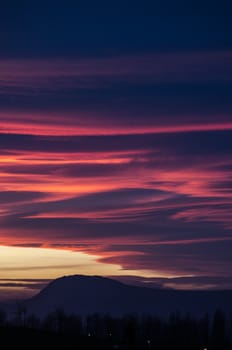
(126, 159)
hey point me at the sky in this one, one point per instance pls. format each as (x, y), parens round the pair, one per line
(115, 144)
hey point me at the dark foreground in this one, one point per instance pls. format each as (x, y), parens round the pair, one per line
(60, 331)
(19, 338)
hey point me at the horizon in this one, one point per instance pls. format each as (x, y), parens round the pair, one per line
(116, 144)
(20, 290)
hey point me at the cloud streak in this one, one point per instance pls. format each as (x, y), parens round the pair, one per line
(154, 67)
(125, 158)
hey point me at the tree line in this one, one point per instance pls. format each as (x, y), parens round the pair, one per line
(128, 332)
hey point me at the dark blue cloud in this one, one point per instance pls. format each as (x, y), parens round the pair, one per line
(194, 143)
(168, 201)
(19, 196)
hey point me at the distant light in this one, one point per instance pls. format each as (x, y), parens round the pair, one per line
(89, 335)
(149, 342)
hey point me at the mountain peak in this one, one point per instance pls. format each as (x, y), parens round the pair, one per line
(83, 281)
(81, 294)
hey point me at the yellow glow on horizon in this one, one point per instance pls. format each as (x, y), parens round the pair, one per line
(25, 262)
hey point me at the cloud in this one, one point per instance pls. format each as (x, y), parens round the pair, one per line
(129, 94)
(26, 284)
(166, 67)
(182, 283)
(125, 158)
(9, 197)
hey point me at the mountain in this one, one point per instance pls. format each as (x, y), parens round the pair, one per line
(89, 294)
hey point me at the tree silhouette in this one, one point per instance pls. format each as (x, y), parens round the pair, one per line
(20, 314)
(129, 332)
(2, 317)
(218, 337)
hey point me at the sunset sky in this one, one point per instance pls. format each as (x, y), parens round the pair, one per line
(115, 145)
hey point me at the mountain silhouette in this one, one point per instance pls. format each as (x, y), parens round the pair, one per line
(84, 295)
